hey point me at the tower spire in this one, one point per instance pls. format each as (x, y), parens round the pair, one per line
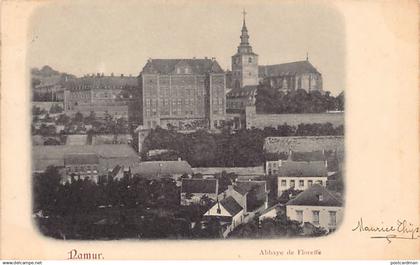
(244, 35)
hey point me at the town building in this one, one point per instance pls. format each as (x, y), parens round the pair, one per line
(103, 95)
(316, 206)
(79, 159)
(82, 166)
(159, 169)
(228, 212)
(193, 191)
(183, 93)
(272, 212)
(300, 175)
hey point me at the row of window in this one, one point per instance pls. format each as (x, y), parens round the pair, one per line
(86, 168)
(292, 183)
(315, 217)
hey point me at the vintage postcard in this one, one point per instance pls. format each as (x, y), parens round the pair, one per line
(163, 129)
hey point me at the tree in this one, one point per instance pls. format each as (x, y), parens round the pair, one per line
(78, 117)
(56, 108)
(46, 190)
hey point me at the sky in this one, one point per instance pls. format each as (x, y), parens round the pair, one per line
(81, 37)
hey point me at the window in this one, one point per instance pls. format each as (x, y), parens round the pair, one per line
(319, 182)
(310, 183)
(299, 216)
(301, 183)
(283, 182)
(219, 211)
(315, 217)
(250, 60)
(292, 183)
(333, 218)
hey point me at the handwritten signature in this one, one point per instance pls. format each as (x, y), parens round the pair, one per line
(402, 229)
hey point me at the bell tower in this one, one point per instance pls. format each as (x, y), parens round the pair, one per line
(244, 62)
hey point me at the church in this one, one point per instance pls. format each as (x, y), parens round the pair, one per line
(247, 74)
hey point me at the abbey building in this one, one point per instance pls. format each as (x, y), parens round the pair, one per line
(247, 74)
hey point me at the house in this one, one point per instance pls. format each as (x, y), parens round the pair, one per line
(257, 193)
(108, 155)
(252, 195)
(193, 190)
(317, 206)
(81, 166)
(300, 175)
(271, 212)
(158, 169)
(228, 212)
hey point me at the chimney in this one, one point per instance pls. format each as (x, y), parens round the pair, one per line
(122, 75)
(213, 58)
(205, 58)
(98, 74)
(112, 74)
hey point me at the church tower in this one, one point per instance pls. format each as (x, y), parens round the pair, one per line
(244, 62)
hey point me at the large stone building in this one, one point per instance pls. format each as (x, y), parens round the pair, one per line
(183, 93)
(247, 74)
(113, 95)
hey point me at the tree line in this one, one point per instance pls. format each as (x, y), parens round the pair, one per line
(241, 149)
(272, 101)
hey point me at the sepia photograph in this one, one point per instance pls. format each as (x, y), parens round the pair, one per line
(203, 125)
(232, 130)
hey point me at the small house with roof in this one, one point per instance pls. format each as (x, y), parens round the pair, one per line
(316, 206)
(193, 191)
(228, 212)
(159, 169)
(300, 175)
(82, 166)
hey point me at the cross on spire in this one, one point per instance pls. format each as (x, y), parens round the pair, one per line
(244, 14)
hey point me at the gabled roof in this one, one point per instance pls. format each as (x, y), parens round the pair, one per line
(231, 205)
(310, 197)
(199, 186)
(275, 206)
(167, 66)
(161, 168)
(80, 159)
(293, 68)
(245, 91)
(245, 186)
(302, 169)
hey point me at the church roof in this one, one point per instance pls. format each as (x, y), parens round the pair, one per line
(316, 195)
(167, 66)
(293, 68)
